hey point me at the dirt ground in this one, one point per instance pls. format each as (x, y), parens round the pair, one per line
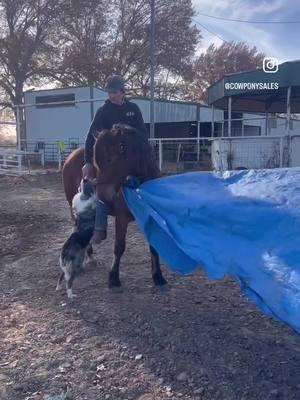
(197, 339)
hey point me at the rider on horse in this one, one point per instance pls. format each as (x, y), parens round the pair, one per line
(117, 109)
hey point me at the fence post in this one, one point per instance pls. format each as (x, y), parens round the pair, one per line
(289, 149)
(198, 140)
(288, 110)
(281, 152)
(42, 153)
(229, 115)
(19, 158)
(198, 149)
(59, 160)
(160, 154)
(220, 155)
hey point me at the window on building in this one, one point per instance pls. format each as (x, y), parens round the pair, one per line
(55, 100)
(250, 130)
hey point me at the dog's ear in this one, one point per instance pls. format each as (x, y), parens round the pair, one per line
(94, 181)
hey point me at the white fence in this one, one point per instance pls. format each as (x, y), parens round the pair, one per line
(294, 151)
(173, 155)
(15, 162)
(255, 152)
(178, 155)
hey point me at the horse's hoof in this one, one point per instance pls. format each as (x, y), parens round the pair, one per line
(113, 282)
(159, 280)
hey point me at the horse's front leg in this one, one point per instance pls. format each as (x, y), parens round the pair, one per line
(120, 236)
(157, 275)
(89, 251)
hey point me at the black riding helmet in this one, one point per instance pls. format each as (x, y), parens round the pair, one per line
(115, 83)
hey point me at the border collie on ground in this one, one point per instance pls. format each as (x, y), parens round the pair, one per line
(77, 245)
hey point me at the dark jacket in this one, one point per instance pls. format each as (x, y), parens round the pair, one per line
(109, 114)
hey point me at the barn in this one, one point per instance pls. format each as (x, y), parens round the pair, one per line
(242, 92)
(182, 129)
(66, 113)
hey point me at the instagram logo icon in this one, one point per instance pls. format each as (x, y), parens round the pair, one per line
(270, 65)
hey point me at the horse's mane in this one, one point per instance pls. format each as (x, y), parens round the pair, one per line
(133, 147)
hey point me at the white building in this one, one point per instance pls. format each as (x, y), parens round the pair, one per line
(65, 115)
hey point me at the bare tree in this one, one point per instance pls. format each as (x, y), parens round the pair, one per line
(84, 34)
(27, 45)
(114, 36)
(215, 62)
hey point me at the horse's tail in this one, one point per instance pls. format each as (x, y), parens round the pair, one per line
(72, 174)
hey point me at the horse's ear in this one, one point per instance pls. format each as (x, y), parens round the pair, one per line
(116, 129)
(96, 134)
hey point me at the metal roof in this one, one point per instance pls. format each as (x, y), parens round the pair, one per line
(33, 90)
(259, 100)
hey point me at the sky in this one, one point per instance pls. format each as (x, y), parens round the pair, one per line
(275, 40)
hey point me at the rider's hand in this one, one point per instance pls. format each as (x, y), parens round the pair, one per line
(88, 171)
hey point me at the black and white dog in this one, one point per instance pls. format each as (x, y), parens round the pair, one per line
(74, 249)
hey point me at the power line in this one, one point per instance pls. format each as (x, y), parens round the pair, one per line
(211, 32)
(248, 21)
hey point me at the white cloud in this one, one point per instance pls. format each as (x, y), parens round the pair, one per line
(207, 41)
(262, 36)
(238, 8)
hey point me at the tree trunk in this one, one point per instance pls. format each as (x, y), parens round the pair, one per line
(20, 115)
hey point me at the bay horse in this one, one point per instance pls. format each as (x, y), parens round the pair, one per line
(118, 153)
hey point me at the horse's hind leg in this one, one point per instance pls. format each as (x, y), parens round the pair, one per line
(120, 236)
(157, 275)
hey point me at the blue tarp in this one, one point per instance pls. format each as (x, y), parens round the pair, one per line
(245, 224)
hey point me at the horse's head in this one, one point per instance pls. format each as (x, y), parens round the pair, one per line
(123, 151)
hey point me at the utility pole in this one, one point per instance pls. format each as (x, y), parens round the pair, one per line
(152, 36)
